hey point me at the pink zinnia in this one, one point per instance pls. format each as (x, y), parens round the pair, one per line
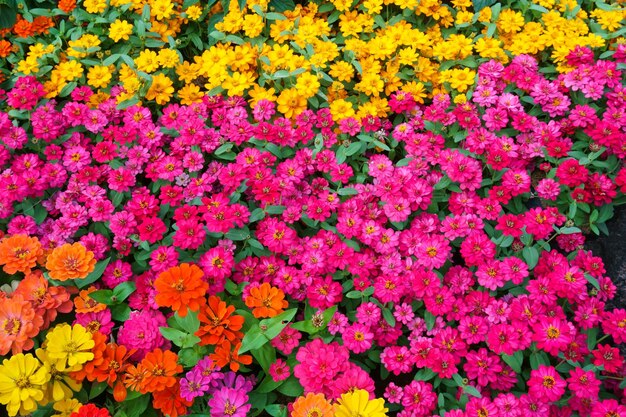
(358, 338)
(546, 384)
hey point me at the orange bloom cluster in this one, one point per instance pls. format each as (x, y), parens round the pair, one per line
(23, 28)
(70, 261)
(31, 308)
(156, 372)
(181, 287)
(5, 48)
(220, 328)
(86, 304)
(170, 402)
(266, 301)
(19, 253)
(67, 5)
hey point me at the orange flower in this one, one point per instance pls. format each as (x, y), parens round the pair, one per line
(19, 253)
(181, 287)
(86, 304)
(312, 405)
(225, 356)
(67, 5)
(46, 300)
(161, 370)
(19, 324)
(5, 48)
(113, 366)
(22, 28)
(217, 324)
(134, 377)
(266, 300)
(70, 261)
(98, 350)
(41, 24)
(170, 402)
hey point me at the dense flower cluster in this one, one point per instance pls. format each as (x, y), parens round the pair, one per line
(383, 214)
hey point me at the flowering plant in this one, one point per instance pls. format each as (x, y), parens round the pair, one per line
(328, 210)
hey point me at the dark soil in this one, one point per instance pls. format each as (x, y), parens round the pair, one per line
(612, 249)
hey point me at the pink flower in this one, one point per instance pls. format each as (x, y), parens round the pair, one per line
(320, 364)
(287, 340)
(584, 384)
(279, 370)
(397, 359)
(141, 332)
(546, 384)
(357, 338)
(419, 398)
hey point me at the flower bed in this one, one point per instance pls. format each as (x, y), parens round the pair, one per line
(252, 209)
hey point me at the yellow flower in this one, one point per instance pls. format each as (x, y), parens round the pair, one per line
(98, 76)
(70, 344)
(120, 29)
(95, 6)
(373, 7)
(190, 94)
(307, 84)
(252, 25)
(358, 403)
(258, 93)
(342, 71)
(341, 109)
(54, 85)
(237, 83)
(168, 58)
(66, 407)
(21, 381)
(161, 9)
(187, 72)
(371, 84)
(161, 89)
(459, 79)
(28, 66)
(510, 21)
(194, 12)
(60, 385)
(291, 103)
(70, 70)
(147, 61)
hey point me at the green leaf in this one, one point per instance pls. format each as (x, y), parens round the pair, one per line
(8, 14)
(291, 387)
(96, 389)
(256, 215)
(120, 312)
(135, 407)
(189, 323)
(123, 290)
(514, 361)
(252, 340)
(95, 275)
(531, 256)
(238, 234)
(102, 296)
(265, 356)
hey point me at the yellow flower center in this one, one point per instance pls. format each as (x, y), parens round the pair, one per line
(12, 326)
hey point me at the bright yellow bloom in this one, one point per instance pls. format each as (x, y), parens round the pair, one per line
(510, 21)
(358, 403)
(98, 76)
(341, 109)
(190, 94)
(252, 25)
(70, 70)
(120, 29)
(168, 58)
(60, 385)
(161, 9)
(71, 344)
(147, 61)
(28, 66)
(21, 383)
(194, 12)
(161, 89)
(258, 93)
(459, 79)
(291, 103)
(66, 407)
(95, 6)
(237, 83)
(373, 7)
(187, 72)
(371, 84)
(307, 84)
(342, 71)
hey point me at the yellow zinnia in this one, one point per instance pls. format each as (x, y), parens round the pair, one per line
(161, 89)
(358, 403)
(71, 344)
(21, 381)
(291, 103)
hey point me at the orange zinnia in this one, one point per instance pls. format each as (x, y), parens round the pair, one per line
(217, 324)
(113, 367)
(170, 402)
(181, 287)
(161, 370)
(23, 28)
(19, 324)
(19, 253)
(41, 24)
(70, 261)
(46, 300)
(134, 377)
(266, 300)
(312, 405)
(67, 5)
(225, 356)
(85, 304)
(5, 48)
